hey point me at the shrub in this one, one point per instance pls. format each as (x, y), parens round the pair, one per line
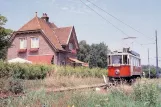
(15, 86)
(80, 71)
(11, 85)
(6, 70)
(147, 92)
(37, 71)
(23, 71)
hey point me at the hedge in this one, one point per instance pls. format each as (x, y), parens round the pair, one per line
(39, 71)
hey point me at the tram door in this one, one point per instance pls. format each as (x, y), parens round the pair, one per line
(131, 64)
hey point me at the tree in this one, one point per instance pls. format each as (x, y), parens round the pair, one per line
(98, 55)
(145, 68)
(4, 37)
(95, 54)
(83, 53)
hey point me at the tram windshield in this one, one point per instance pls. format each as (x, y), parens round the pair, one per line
(116, 59)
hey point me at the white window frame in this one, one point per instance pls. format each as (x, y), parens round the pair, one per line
(23, 43)
(34, 42)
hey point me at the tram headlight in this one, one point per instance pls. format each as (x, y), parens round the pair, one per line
(117, 71)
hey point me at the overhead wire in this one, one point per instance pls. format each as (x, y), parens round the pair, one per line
(117, 19)
(110, 22)
(105, 19)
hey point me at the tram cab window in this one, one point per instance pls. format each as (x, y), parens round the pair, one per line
(117, 59)
(125, 59)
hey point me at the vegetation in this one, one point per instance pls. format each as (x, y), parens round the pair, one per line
(145, 69)
(4, 37)
(23, 71)
(11, 75)
(80, 71)
(30, 71)
(95, 54)
(142, 94)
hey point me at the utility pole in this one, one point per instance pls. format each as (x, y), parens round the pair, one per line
(148, 63)
(157, 72)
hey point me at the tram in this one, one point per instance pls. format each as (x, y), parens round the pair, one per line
(124, 65)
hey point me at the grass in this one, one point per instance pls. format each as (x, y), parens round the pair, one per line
(54, 82)
(145, 93)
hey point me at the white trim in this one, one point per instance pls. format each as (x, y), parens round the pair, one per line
(124, 54)
(35, 42)
(69, 35)
(24, 45)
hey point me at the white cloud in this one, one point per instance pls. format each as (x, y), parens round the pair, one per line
(65, 8)
(73, 5)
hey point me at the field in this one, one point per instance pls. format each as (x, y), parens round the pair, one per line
(144, 93)
(38, 92)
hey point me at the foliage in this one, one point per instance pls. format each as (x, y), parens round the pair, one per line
(148, 93)
(145, 69)
(38, 71)
(11, 85)
(98, 55)
(95, 54)
(15, 86)
(80, 71)
(144, 95)
(84, 52)
(23, 71)
(4, 37)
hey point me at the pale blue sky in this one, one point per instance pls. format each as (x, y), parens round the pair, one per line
(143, 15)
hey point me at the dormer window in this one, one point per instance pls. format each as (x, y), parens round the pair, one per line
(71, 47)
(23, 43)
(34, 42)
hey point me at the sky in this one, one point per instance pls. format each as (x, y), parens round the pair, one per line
(142, 15)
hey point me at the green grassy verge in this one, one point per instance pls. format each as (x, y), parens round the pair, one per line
(145, 94)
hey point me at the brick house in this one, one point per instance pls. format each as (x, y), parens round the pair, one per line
(41, 41)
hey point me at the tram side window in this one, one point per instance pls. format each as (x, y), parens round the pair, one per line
(125, 59)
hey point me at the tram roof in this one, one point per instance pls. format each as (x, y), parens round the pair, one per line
(125, 53)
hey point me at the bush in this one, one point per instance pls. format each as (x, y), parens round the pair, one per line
(37, 71)
(23, 71)
(15, 86)
(11, 85)
(6, 70)
(80, 71)
(147, 92)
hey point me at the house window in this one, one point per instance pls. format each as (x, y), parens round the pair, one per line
(23, 43)
(34, 42)
(71, 46)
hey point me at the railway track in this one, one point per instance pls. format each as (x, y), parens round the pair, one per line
(60, 90)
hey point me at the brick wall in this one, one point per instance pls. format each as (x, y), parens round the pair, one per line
(44, 48)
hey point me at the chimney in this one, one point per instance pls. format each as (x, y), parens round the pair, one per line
(45, 17)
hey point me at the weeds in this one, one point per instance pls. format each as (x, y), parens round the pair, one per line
(143, 95)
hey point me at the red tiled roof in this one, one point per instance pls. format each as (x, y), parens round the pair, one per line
(38, 23)
(31, 25)
(56, 36)
(52, 25)
(63, 34)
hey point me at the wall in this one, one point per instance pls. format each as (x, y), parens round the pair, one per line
(44, 50)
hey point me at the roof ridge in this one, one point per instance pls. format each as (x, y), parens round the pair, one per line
(49, 35)
(24, 26)
(64, 27)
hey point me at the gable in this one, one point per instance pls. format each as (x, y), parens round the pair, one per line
(73, 38)
(44, 46)
(63, 34)
(57, 37)
(47, 29)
